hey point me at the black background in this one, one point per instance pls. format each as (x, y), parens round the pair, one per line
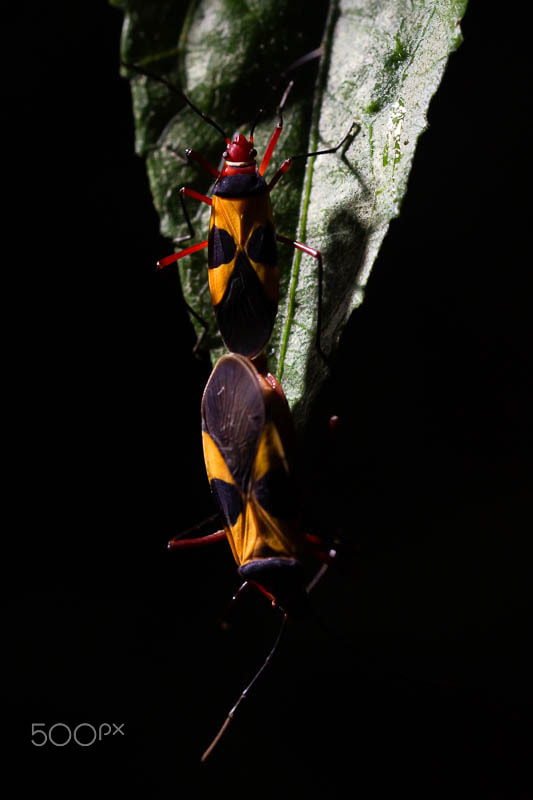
(413, 676)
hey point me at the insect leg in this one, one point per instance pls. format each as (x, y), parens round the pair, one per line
(330, 149)
(244, 693)
(277, 130)
(197, 196)
(178, 543)
(318, 549)
(289, 161)
(318, 256)
(315, 579)
(317, 53)
(197, 528)
(164, 262)
(284, 167)
(192, 155)
(203, 323)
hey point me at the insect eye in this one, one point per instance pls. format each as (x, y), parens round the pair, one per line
(253, 153)
(225, 154)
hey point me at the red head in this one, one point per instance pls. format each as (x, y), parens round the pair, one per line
(240, 152)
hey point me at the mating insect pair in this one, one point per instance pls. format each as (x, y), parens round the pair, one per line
(246, 422)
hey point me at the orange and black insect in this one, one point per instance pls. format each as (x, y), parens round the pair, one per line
(242, 251)
(248, 442)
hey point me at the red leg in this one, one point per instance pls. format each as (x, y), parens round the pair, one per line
(270, 149)
(316, 254)
(196, 195)
(317, 548)
(284, 167)
(277, 130)
(175, 256)
(194, 156)
(200, 541)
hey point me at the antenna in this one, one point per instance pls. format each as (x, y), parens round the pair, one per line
(148, 74)
(244, 693)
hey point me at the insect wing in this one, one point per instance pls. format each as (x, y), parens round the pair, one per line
(243, 272)
(246, 463)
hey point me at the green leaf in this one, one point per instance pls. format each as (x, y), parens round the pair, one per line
(382, 61)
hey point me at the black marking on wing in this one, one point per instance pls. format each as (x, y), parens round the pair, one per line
(233, 414)
(229, 499)
(240, 185)
(262, 245)
(221, 247)
(245, 315)
(275, 493)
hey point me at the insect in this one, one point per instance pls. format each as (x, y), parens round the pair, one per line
(242, 242)
(248, 449)
(248, 442)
